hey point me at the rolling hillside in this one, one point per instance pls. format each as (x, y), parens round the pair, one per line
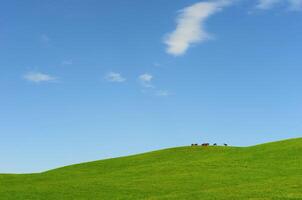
(262, 172)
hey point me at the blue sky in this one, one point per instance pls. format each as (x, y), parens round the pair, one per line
(86, 80)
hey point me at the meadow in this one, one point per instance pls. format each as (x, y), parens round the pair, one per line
(271, 171)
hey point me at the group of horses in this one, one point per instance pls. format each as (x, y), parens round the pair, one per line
(208, 144)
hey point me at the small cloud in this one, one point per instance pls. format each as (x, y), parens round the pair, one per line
(148, 88)
(162, 93)
(115, 77)
(145, 80)
(67, 62)
(37, 77)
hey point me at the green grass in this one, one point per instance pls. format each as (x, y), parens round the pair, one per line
(263, 172)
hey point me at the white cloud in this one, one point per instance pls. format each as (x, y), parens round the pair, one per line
(115, 77)
(268, 4)
(38, 77)
(145, 80)
(148, 87)
(190, 26)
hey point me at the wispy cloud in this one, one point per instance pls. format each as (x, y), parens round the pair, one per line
(115, 77)
(146, 80)
(190, 26)
(268, 4)
(37, 77)
(148, 87)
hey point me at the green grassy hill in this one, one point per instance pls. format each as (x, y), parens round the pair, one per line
(268, 171)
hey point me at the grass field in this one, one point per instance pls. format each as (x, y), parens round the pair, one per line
(263, 172)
